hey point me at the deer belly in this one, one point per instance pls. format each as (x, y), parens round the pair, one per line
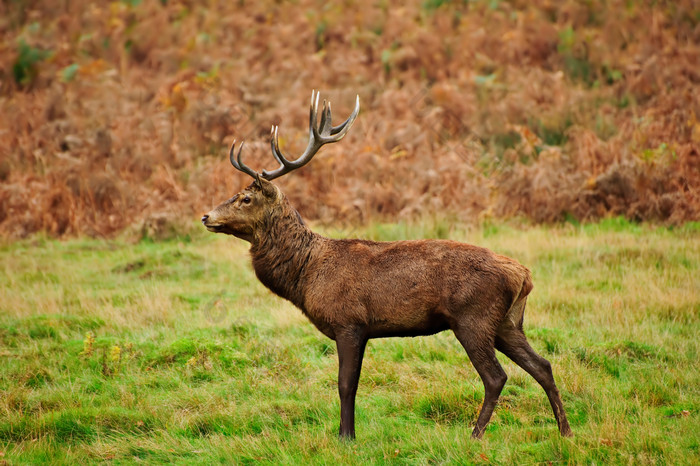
(407, 324)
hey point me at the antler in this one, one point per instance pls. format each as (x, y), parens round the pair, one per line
(325, 133)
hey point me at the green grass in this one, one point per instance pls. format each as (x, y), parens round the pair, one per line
(172, 352)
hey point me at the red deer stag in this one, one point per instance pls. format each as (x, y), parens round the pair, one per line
(353, 290)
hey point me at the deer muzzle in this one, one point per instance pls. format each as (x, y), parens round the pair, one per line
(211, 225)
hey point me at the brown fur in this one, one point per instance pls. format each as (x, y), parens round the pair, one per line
(353, 290)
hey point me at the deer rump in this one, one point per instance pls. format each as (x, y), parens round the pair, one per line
(412, 288)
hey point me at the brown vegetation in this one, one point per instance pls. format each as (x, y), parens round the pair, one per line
(121, 113)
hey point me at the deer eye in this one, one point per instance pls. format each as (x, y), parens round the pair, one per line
(246, 200)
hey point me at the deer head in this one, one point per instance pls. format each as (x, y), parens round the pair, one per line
(243, 214)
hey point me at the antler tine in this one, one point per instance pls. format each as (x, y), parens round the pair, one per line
(238, 163)
(344, 127)
(275, 146)
(325, 126)
(313, 111)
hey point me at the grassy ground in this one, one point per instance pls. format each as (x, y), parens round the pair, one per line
(173, 352)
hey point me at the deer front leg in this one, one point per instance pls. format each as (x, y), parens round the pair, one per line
(351, 348)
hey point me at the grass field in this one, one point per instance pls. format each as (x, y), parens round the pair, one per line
(173, 352)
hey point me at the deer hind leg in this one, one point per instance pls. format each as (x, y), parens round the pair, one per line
(480, 349)
(511, 341)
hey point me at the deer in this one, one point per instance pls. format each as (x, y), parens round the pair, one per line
(354, 290)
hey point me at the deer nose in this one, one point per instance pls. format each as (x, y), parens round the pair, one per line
(204, 218)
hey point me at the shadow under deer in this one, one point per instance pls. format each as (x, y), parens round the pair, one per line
(353, 290)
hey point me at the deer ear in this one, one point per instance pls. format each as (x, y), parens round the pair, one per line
(257, 182)
(268, 189)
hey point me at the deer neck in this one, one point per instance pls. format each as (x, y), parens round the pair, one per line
(281, 251)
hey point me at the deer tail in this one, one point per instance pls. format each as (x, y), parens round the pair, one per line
(517, 309)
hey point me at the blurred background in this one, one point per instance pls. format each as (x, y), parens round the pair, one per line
(117, 116)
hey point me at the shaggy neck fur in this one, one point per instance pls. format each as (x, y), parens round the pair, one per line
(281, 250)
